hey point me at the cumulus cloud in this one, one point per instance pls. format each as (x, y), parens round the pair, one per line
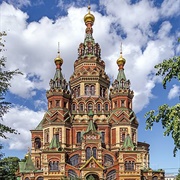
(32, 47)
(174, 92)
(23, 120)
(19, 3)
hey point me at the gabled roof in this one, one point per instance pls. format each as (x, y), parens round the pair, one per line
(90, 160)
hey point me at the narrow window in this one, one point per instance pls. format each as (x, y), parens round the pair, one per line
(123, 137)
(50, 104)
(81, 107)
(106, 107)
(94, 151)
(115, 104)
(73, 107)
(89, 107)
(99, 107)
(122, 103)
(88, 153)
(57, 103)
(37, 143)
(78, 137)
(103, 137)
(92, 90)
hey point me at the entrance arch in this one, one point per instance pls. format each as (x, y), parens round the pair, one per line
(92, 177)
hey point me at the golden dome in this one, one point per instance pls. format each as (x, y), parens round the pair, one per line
(121, 60)
(27, 155)
(58, 59)
(89, 17)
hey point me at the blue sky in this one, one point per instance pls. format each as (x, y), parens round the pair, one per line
(147, 29)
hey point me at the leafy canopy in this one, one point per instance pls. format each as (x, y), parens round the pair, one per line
(169, 116)
(5, 78)
(8, 168)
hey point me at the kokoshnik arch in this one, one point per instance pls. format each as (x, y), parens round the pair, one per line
(89, 131)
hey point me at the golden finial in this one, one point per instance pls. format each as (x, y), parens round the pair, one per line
(121, 61)
(58, 60)
(89, 17)
(27, 154)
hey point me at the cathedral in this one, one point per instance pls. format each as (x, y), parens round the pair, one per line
(89, 130)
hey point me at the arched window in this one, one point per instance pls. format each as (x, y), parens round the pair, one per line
(26, 178)
(40, 178)
(54, 166)
(81, 107)
(106, 107)
(73, 107)
(98, 107)
(78, 137)
(94, 152)
(86, 90)
(72, 174)
(129, 165)
(90, 107)
(111, 175)
(108, 160)
(37, 143)
(92, 90)
(74, 160)
(88, 153)
(154, 178)
(123, 136)
(37, 163)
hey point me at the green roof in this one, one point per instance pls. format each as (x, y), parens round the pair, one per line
(27, 166)
(128, 144)
(54, 143)
(121, 75)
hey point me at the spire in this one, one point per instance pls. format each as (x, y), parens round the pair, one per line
(89, 18)
(121, 82)
(91, 126)
(128, 144)
(89, 47)
(121, 61)
(54, 142)
(58, 82)
(29, 166)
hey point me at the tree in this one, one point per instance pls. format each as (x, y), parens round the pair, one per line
(178, 176)
(169, 116)
(8, 168)
(5, 78)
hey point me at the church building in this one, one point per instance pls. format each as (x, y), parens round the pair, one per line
(89, 130)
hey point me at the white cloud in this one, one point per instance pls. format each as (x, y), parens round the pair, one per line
(170, 8)
(19, 3)
(174, 92)
(23, 120)
(32, 48)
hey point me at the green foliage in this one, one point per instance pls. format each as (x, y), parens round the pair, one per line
(8, 168)
(168, 116)
(178, 176)
(170, 119)
(169, 69)
(5, 78)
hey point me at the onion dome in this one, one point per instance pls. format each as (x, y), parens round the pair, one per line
(58, 60)
(121, 61)
(89, 17)
(27, 155)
